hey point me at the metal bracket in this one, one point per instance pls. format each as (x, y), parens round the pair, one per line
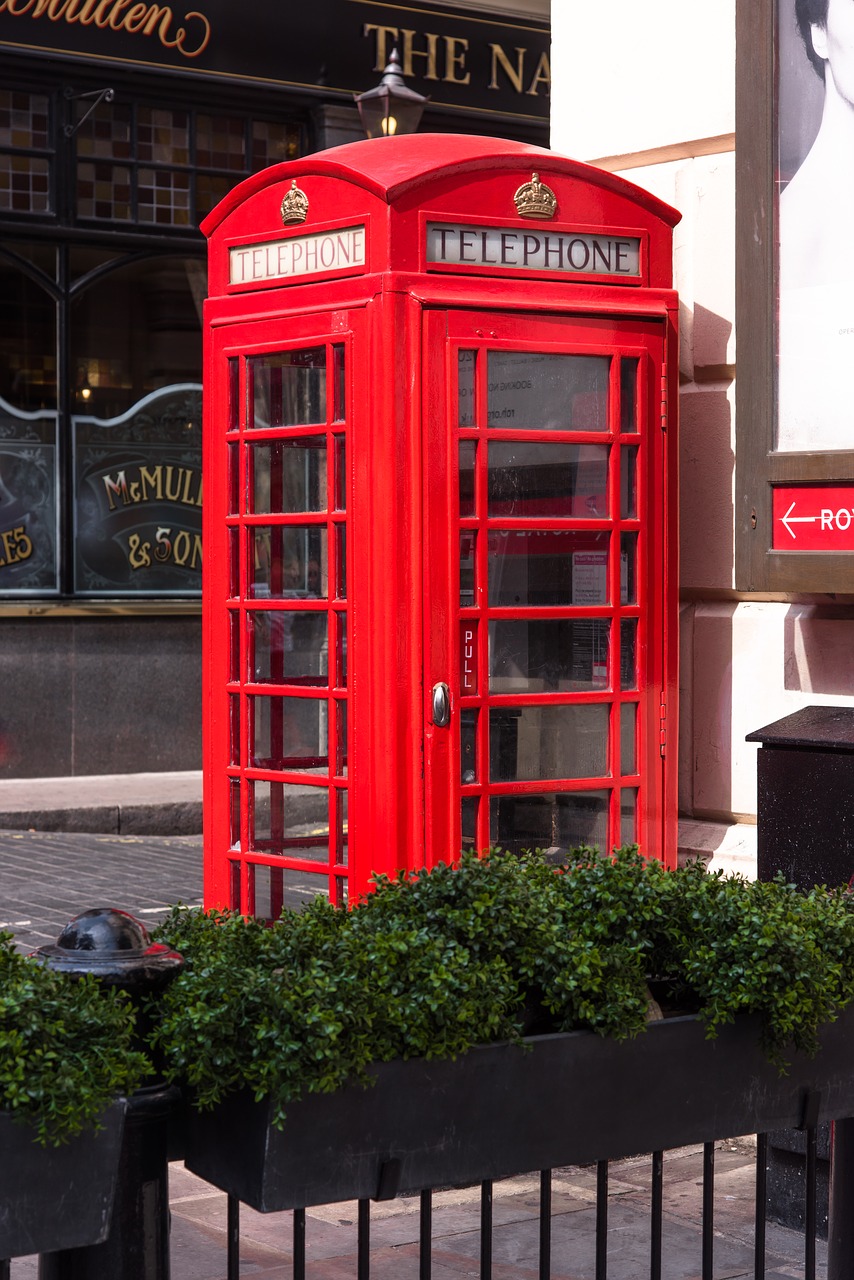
(810, 1108)
(99, 95)
(389, 1179)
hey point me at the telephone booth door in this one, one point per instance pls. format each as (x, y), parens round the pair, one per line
(544, 673)
(280, 587)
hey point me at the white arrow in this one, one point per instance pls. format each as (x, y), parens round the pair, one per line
(788, 520)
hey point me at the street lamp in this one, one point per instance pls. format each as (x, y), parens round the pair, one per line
(391, 108)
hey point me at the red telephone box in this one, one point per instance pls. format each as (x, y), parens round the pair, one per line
(440, 515)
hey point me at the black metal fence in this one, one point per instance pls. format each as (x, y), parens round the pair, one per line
(661, 1264)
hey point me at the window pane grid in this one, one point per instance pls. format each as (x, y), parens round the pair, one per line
(291, 500)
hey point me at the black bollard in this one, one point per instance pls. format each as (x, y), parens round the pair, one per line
(116, 947)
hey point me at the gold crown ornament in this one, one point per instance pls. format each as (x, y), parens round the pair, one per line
(294, 205)
(535, 200)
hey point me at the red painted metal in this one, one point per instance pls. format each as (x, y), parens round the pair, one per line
(339, 517)
(813, 517)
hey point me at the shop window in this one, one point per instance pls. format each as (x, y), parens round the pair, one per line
(155, 165)
(25, 165)
(794, 310)
(126, 426)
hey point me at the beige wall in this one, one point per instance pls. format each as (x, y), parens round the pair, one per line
(648, 90)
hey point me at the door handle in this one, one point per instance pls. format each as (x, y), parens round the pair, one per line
(441, 705)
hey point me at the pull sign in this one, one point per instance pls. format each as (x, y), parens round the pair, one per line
(441, 706)
(468, 658)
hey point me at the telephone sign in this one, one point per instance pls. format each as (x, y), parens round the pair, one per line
(440, 505)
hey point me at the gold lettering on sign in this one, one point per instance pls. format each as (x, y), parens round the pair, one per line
(454, 60)
(156, 20)
(176, 484)
(409, 52)
(16, 545)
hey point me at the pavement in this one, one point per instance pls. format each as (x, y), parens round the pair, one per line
(47, 877)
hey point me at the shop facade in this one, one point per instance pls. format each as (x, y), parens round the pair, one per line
(767, 445)
(121, 127)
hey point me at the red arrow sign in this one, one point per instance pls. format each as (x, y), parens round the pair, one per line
(813, 518)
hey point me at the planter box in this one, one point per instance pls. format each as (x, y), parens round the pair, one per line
(501, 1109)
(57, 1197)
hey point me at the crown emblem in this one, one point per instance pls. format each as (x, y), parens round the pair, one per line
(294, 205)
(535, 200)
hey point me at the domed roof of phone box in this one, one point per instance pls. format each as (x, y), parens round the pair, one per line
(393, 168)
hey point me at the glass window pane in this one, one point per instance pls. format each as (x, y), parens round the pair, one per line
(234, 787)
(628, 393)
(468, 546)
(234, 645)
(341, 562)
(340, 473)
(548, 741)
(468, 746)
(24, 119)
(104, 191)
(25, 184)
(135, 332)
(341, 649)
(233, 474)
(628, 815)
(541, 480)
(465, 388)
(628, 736)
(274, 889)
(469, 807)
(343, 826)
(233, 562)
(287, 476)
(341, 760)
(555, 823)
(468, 453)
(288, 562)
(536, 567)
(273, 142)
(288, 647)
(234, 727)
(628, 568)
(548, 392)
(288, 389)
(339, 384)
(163, 136)
(290, 733)
(561, 654)
(289, 819)
(628, 483)
(628, 653)
(221, 143)
(163, 197)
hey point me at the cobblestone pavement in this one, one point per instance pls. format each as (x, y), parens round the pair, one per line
(46, 878)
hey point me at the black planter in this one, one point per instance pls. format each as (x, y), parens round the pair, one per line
(57, 1197)
(504, 1109)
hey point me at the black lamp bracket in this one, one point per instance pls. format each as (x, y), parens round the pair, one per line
(98, 96)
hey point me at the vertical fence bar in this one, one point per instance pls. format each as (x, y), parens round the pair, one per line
(363, 1269)
(761, 1207)
(425, 1237)
(233, 1238)
(656, 1208)
(545, 1224)
(602, 1220)
(299, 1244)
(708, 1209)
(486, 1231)
(809, 1207)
